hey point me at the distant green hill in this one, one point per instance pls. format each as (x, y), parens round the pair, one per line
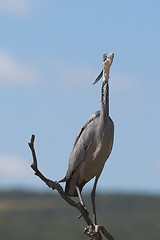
(43, 216)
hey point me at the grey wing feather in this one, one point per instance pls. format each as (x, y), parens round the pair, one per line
(92, 117)
(80, 146)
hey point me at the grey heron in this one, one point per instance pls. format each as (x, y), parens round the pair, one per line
(93, 145)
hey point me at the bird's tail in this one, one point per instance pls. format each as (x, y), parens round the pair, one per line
(62, 180)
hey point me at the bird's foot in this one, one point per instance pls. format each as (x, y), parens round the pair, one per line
(93, 231)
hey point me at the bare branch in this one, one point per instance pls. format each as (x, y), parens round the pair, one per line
(56, 185)
(105, 233)
(92, 231)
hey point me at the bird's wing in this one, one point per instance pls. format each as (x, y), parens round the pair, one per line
(92, 117)
(81, 145)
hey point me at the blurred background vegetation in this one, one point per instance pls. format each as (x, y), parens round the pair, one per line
(42, 215)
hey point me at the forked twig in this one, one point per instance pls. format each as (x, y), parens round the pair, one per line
(92, 231)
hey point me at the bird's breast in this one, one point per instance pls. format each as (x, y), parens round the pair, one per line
(98, 152)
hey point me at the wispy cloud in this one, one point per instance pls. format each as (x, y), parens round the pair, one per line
(72, 74)
(13, 72)
(14, 171)
(78, 74)
(14, 6)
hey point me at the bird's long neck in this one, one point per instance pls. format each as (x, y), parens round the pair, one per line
(105, 99)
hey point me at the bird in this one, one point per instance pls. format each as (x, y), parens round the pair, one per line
(93, 145)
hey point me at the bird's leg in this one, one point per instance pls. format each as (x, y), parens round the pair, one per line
(81, 200)
(80, 196)
(93, 193)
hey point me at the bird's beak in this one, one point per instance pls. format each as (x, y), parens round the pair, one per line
(99, 77)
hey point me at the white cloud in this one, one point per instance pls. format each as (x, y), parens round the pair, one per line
(78, 74)
(13, 72)
(72, 74)
(14, 171)
(12, 166)
(14, 6)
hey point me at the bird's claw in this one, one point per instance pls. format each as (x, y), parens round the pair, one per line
(93, 232)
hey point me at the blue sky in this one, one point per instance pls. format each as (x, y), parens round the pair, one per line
(50, 53)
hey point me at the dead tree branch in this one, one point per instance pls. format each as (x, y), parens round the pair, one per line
(94, 232)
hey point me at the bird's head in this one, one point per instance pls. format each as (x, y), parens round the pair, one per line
(107, 62)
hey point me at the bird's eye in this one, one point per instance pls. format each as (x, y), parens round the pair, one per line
(104, 57)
